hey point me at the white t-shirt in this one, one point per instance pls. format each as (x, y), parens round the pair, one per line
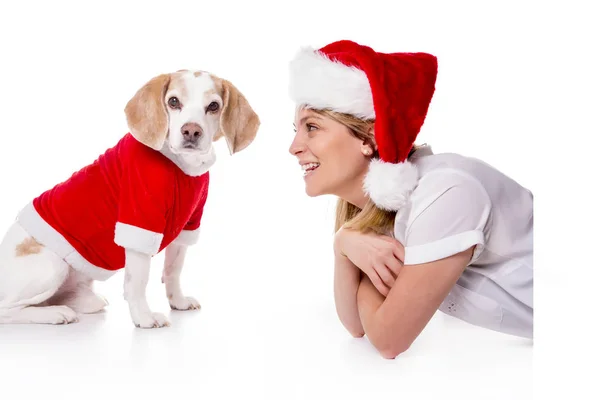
(460, 202)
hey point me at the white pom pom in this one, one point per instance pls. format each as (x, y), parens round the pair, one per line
(390, 185)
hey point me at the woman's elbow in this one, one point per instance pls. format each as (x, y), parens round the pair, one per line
(391, 352)
(355, 330)
(357, 333)
(389, 347)
(352, 324)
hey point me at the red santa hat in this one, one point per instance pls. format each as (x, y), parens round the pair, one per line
(394, 89)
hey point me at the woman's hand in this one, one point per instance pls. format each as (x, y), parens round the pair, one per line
(380, 257)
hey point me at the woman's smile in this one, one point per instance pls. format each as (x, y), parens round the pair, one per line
(309, 168)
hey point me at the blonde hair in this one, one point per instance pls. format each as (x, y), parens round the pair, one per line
(347, 215)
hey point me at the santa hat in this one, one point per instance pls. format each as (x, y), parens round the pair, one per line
(395, 89)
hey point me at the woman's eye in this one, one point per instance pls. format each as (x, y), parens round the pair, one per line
(174, 102)
(214, 106)
(310, 127)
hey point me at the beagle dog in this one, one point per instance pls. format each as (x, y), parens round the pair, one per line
(145, 194)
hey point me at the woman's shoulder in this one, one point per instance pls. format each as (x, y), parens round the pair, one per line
(455, 186)
(445, 170)
(428, 162)
(440, 172)
(453, 190)
(449, 181)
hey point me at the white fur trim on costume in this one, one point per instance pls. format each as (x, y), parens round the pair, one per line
(44, 233)
(389, 185)
(320, 83)
(138, 239)
(187, 238)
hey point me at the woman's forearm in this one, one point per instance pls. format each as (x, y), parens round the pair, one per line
(369, 301)
(346, 281)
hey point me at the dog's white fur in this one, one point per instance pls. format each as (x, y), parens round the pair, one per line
(195, 93)
(41, 287)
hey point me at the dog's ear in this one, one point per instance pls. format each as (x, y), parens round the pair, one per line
(146, 113)
(239, 123)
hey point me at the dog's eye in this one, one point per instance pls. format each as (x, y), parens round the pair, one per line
(212, 107)
(174, 102)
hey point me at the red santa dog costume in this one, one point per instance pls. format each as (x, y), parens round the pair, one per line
(130, 197)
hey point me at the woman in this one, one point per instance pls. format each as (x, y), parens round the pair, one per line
(415, 231)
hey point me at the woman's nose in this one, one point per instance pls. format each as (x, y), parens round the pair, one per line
(297, 146)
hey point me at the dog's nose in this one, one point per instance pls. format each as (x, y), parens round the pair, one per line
(191, 131)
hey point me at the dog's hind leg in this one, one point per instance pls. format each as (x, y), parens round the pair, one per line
(77, 293)
(30, 274)
(85, 301)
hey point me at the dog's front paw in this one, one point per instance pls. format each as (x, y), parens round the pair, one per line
(151, 320)
(184, 303)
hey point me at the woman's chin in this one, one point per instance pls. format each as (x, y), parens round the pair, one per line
(313, 190)
(312, 193)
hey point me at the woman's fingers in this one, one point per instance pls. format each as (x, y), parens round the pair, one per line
(394, 265)
(378, 283)
(396, 246)
(398, 250)
(385, 274)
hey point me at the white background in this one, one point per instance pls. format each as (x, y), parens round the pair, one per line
(517, 87)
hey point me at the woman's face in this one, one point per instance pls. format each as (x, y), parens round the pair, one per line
(333, 160)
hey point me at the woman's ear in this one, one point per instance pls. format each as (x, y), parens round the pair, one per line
(239, 123)
(368, 148)
(372, 141)
(146, 113)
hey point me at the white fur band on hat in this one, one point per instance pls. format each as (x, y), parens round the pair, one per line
(320, 83)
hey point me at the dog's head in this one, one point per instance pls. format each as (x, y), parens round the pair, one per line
(188, 110)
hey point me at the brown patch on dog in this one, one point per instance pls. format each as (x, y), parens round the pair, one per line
(218, 84)
(239, 123)
(209, 94)
(147, 114)
(198, 73)
(178, 84)
(28, 246)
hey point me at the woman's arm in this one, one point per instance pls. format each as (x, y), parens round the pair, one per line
(345, 287)
(392, 323)
(356, 254)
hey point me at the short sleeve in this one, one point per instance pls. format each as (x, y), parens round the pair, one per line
(450, 216)
(191, 231)
(144, 202)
